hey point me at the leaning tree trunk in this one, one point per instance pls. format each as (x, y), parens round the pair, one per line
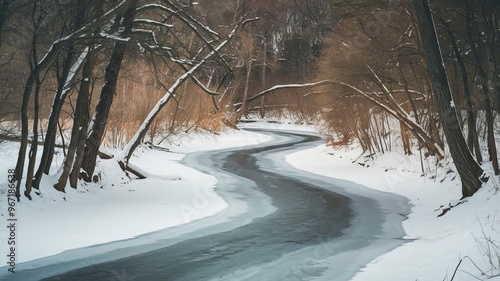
(84, 116)
(80, 144)
(50, 135)
(124, 156)
(107, 93)
(69, 70)
(102, 111)
(79, 122)
(469, 170)
(472, 137)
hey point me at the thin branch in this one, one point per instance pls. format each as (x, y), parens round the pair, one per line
(287, 86)
(153, 22)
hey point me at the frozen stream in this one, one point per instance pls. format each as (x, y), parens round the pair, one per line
(282, 224)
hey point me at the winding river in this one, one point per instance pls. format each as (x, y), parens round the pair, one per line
(282, 224)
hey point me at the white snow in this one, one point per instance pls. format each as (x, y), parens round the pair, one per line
(175, 194)
(114, 37)
(469, 231)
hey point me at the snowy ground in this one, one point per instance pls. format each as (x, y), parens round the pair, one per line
(173, 194)
(469, 231)
(92, 215)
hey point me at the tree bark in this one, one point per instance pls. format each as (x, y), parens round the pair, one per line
(81, 139)
(65, 80)
(243, 109)
(470, 172)
(107, 93)
(50, 135)
(262, 108)
(472, 136)
(102, 111)
(80, 122)
(18, 174)
(492, 149)
(34, 143)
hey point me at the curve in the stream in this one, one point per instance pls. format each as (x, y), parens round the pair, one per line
(317, 228)
(305, 215)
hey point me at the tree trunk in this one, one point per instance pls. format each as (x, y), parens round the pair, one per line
(469, 170)
(65, 80)
(100, 118)
(262, 108)
(40, 65)
(84, 103)
(472, 136)
(82, 131)
(34, 143)
(24, 132)
(83, 112)
(80, 122)
(492, 149)
(50, 135)
(107, 93)
(244, 103)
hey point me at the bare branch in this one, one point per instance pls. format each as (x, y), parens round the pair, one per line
(287, 86)
(124, 156)
(153, 22)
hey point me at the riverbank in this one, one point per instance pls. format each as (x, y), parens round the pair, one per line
(172, 195)
(96, 214)
(465, 239)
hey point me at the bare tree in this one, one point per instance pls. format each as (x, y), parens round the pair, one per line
(99, 121)
(65, 40)
(127, 152)
(469, 170)
(472, 135)
(476, 46)
(80, 124)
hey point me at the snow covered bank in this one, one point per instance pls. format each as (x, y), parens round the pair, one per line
(174, 194)
(470, 231)
(117, 208)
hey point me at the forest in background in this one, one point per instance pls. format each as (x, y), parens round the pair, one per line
(81, 74)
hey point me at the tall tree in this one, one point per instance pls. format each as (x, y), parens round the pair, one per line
(59, 26)
(472, 136)
(469, 170)
(478, 47)
(5, 7)
(108, 91)
(81, 113)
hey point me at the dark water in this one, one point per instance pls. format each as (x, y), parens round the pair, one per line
(305, 216)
